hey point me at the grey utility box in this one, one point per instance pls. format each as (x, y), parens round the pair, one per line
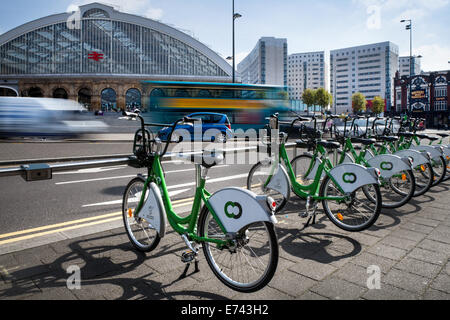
(37, 172)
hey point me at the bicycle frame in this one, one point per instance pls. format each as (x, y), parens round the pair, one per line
(186, 225)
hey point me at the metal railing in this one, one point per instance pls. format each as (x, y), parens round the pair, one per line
(42, 169)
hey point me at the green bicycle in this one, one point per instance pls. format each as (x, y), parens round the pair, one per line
(235, 227)
(398, 184)
(412, 141)
(340, 191)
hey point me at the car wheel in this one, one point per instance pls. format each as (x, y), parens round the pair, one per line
(221, 138)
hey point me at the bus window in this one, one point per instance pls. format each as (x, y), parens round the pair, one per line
(182, 93)
(204, 94)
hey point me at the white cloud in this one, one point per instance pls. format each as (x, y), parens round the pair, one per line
(405, 9)
(140, 7)
(435, 57)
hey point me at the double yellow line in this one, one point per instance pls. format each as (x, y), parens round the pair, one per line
(72, 225)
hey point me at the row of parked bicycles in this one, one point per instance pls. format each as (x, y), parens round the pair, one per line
(354, 177)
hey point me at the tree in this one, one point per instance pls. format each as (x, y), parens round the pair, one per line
(309, 98)
(359, 102)
(323, 98)
(378, 105)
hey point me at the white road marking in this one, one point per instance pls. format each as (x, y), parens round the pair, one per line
(93, 170)
(114, 202)
(121, 177)
(173, 193)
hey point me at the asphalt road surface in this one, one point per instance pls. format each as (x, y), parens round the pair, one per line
(91, 192)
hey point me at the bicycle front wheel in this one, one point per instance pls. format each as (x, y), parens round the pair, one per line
(249, 262)
(141, 233)
(357, 212)
(256, 180)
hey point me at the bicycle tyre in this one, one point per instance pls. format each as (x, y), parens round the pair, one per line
(338, 218)
(440, 170)
(131, 204)
(207, 224)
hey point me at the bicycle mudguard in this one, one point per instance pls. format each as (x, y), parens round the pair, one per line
(390, 165)
(446, 151)
(350, 176)
(435, 153)
(369, 155)
(313, 173)
(280, 183)
(418, 157)
(237, 208)
(153, 210)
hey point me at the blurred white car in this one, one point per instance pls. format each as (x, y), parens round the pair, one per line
(45, 117)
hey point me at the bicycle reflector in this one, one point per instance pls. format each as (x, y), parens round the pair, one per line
(271, 203)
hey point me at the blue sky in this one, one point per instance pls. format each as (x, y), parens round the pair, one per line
(307, 24)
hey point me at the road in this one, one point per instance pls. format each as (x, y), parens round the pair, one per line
(81, 194)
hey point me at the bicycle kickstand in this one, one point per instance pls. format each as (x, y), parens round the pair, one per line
(189, 256)
(311, 216)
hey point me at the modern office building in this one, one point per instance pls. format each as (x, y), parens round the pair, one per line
(405, 68)
(429, 97)
(369, 69)
(99, 54)
(266, 64)
(306, 71)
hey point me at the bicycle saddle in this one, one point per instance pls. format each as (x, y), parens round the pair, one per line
(387, 139)
(366, 142)
(329, 144)
(406, 134)
(304, 145)
(424, 136)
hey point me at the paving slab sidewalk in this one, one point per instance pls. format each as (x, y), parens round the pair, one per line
(410, 246)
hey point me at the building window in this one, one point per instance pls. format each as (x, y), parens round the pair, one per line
(441, 92)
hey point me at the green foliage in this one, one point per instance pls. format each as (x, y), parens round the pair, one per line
(378, 105)
(323, 98)
(359, 102)
(309, 97)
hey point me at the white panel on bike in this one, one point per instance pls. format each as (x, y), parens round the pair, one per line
(435, 153)
(369, 155)
(312, 174)
(280, 182)
(350, 176)
(153, 210)
(390, 165)
(419, 157)
(447, 151)
(237, 208)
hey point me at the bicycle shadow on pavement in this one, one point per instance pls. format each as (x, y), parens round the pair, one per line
(106, 272)
(313, 242)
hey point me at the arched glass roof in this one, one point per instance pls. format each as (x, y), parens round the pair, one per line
(106, 42)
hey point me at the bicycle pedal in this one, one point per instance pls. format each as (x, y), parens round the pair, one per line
(188, 256)
(304, 215)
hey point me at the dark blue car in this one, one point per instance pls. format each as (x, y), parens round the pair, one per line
(214, 127)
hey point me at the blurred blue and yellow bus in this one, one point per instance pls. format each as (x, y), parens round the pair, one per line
(246, 106)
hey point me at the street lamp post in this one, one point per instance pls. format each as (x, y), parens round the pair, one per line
(235, 16)
(409, 27)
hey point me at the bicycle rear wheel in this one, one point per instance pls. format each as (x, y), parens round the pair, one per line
(250, 262)
(424, 176)
(358, 212)
(440, 170)
(141, 233)
(398, 190)
(256, 180)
